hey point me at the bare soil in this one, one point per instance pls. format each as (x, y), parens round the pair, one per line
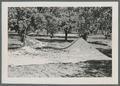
(91, 68)
(80, 59)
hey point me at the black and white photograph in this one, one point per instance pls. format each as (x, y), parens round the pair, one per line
(56, 41)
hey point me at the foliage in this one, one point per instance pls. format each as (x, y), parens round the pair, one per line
(61, 19)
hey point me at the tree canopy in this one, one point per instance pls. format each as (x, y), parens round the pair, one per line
(60, 19)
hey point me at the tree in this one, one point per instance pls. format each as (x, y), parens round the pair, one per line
(25, 19)
(51, 25)
(106, 21)
(40, 22)
(66, 20)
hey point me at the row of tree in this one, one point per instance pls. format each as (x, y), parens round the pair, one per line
(82, 20)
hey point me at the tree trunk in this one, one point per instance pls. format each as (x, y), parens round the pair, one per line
(23, 36)
(78, 33)
(23, 39)
(66, 34)
(84, 36)
(47, 32)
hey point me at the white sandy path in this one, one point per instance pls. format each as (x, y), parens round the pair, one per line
(79, 51)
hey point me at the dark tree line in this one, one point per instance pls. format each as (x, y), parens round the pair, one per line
(82, 20)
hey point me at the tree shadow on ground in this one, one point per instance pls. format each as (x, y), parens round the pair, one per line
(98, 42)
(14, 46)
(91, 68)
(99, 68)
(53, 40)
(35, 35)
(48, 47)
(107, 52)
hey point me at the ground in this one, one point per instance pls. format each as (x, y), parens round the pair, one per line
(57, 58)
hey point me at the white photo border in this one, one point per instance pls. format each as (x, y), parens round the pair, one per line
(105, 80)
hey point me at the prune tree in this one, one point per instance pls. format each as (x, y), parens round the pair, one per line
(106, 21)
(27, 20)
(51, 25)
(83, 21)
(95, 19)
(20, 24)
(66, 20)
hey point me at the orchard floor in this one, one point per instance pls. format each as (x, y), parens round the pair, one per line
(80, 59)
